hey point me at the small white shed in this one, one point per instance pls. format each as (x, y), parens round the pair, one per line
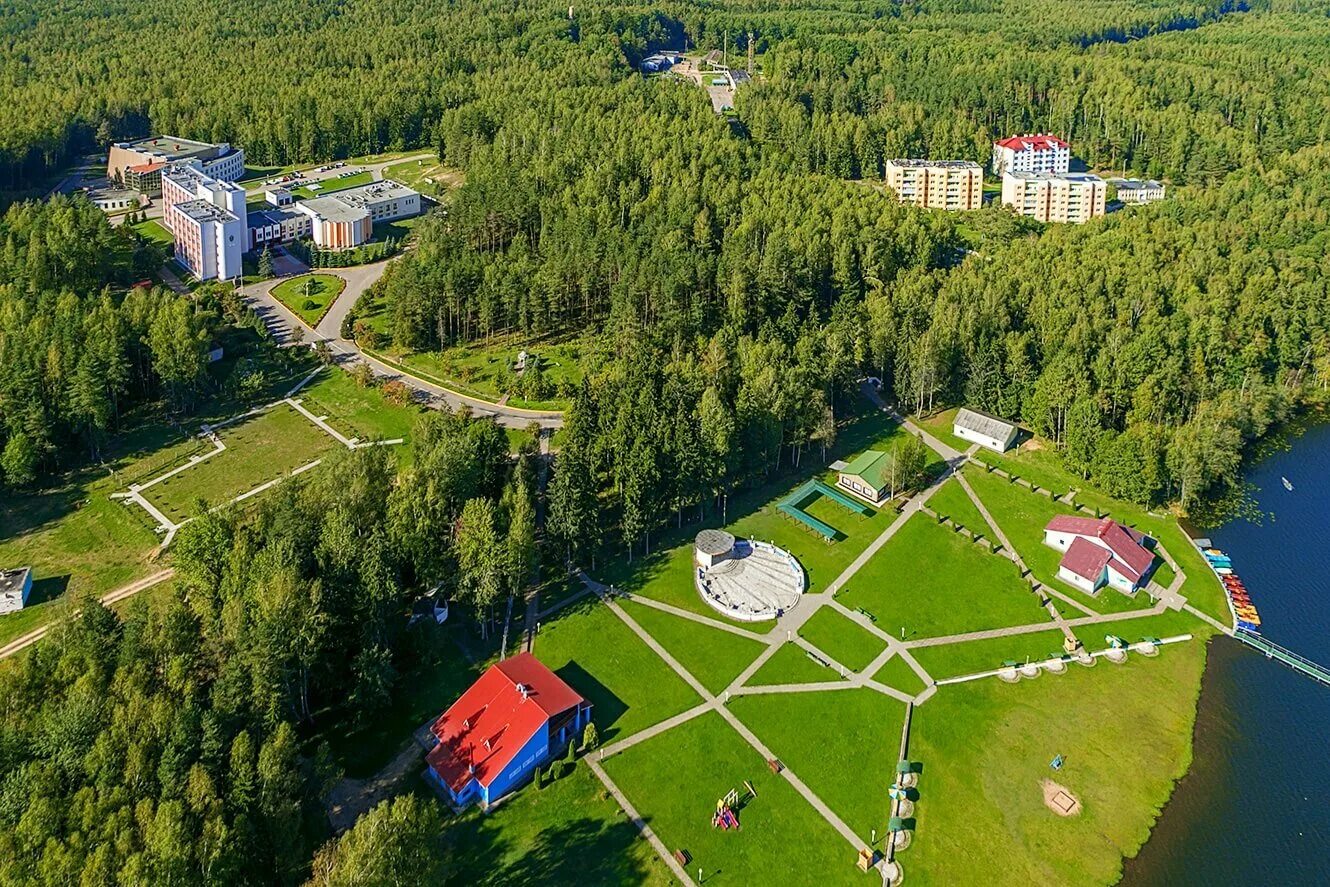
(985, 429)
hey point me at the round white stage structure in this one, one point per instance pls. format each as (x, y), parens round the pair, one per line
(744, 579)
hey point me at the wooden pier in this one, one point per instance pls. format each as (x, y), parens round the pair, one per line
(1318, 673)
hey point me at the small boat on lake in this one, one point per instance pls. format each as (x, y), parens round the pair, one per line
(1287, 485)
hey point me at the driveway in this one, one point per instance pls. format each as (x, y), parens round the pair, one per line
(286, 326)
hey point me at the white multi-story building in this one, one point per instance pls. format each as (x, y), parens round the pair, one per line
(937, 184)
(1031, 153)
(137, 163)
(207, 218)
(1070, 197)
(346, 219)
(277, 225)
(1138, 191)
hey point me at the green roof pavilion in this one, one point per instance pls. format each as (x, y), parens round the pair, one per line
(872, 466)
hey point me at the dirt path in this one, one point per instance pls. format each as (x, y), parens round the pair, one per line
(24, 641)
(352, 797)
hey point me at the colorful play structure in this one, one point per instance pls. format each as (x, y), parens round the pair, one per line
(727, 808)
(794, 505)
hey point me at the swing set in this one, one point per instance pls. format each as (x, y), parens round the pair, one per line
(727, 808)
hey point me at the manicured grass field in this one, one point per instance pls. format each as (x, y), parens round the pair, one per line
(712, 656)
(153, 231)
(310, 295)
(258, 449)
(951, 501)
(674, 781)
(840, 638)
(1165, 624)
(361, 413)
(842, 743)
(1124, 732)
(568, 833)
(971, 657)
(897, 673)
(933, 581)
(1038, 462)
(791, 665)
(629, 686)
(482, 369)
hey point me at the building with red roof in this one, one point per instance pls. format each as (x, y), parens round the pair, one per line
(1099, 552)
(510, 721)
(1031, 153)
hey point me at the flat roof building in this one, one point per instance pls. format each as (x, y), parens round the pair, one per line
(15, 587)
(346, 219)
(221, 161)
(208, 219)
(937, 184)
(1138, 190)
(1031, 153)
(277, 225)
(1075, 197)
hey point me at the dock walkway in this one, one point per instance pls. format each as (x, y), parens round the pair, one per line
(1284, 655)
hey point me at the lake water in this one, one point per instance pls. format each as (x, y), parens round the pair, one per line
(1255, 807)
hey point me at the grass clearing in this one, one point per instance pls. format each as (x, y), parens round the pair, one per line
(940, 426)
(897, 673)
(629, 686)
(486, 370)
(791, 664)
(332, 185)
(840, 638)
(712, 656)
(840, 743)
(309, 296)
(259, 448)
(1125, 733)
(153, 232)
(951, 501)
(569, 833)
(972, 657)
(427, 176)
(674, 781)
(933, 581)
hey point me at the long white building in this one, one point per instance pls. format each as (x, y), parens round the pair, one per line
(140, 163)
(207, 218)
(1070, 197)
(346, 219)
(1031, 153)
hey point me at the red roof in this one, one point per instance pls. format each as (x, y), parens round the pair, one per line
(481, 733)
(146, 167)
(1086, 559)
(1126, 546)
(1033, 143)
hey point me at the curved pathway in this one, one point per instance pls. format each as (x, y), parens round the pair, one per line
(287, 328)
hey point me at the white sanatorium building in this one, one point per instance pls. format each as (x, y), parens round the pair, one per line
(1031, 153)
(346, 219)
(1137, 190)
(207, 218)
(1069, 197)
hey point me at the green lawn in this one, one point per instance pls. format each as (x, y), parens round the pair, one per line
(674, 781)
(933, 581)
(849, 644)
(1038, 462)
(1166, 624)
(484, 370)
(898, 674)
(332, 186)
(791, 664)
(940, 424)
(426, 176)
(629, 686)
(568, 833)
(310, 295)
(842, 743)
(258, 449)
(712, 656)
(971, 657)
(1125, 733)
(153, 232)
(951, 501)
(361, 413)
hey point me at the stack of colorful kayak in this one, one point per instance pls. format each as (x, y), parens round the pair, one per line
(1248, 618)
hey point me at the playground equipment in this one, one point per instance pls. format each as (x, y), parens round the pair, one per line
(1057, 762)
(726, 816)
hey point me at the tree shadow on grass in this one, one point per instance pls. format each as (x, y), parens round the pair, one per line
(581, 851)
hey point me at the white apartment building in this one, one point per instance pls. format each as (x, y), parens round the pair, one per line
(346, 219)
(1031, 153)
(207, 218)
(1137, 190)
(146, 156)
(937, 184)
(1070, 197)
